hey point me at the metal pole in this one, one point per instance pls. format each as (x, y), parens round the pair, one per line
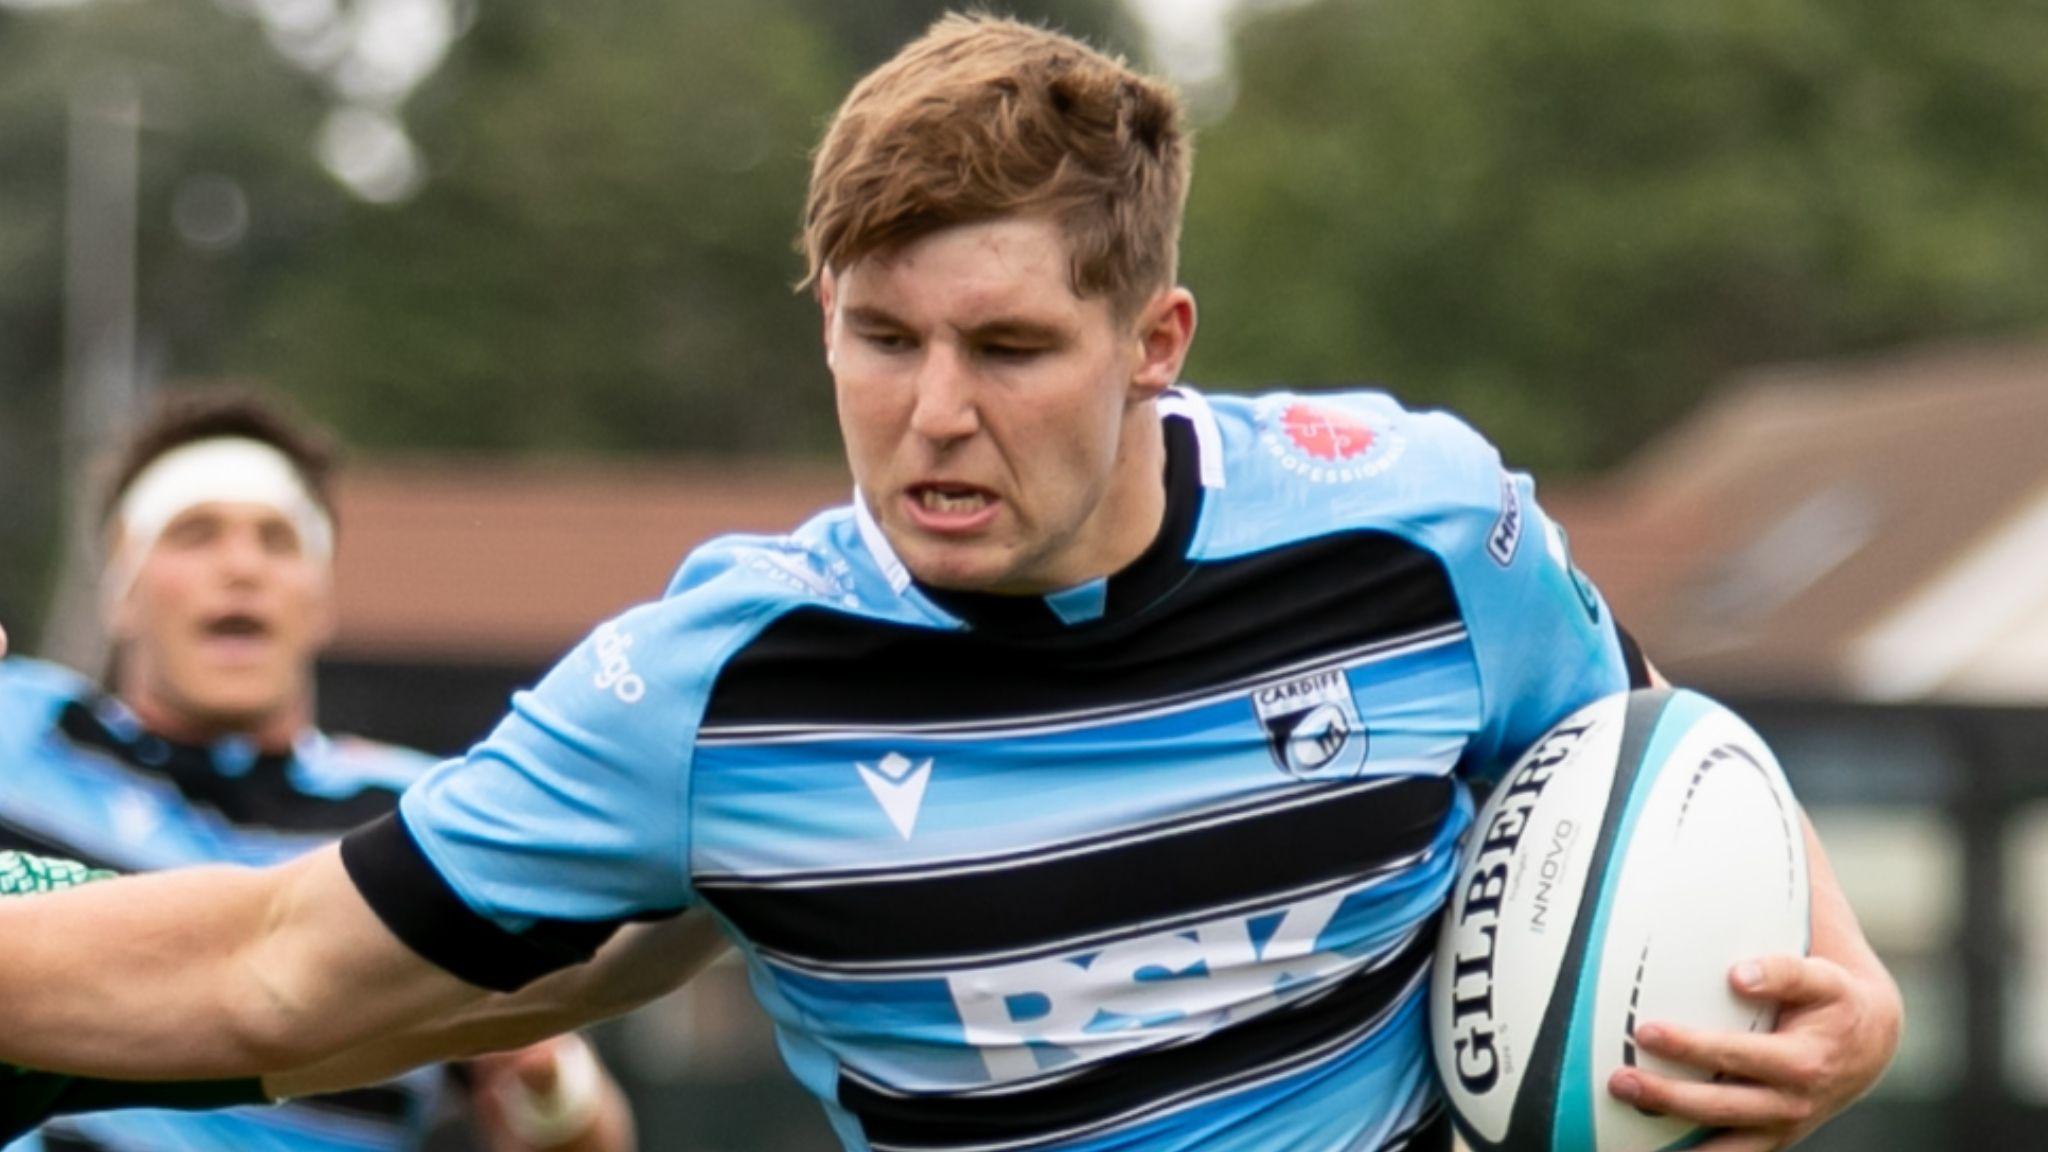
(99, 338)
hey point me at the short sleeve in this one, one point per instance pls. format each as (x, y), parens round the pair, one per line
(570, 819)
(1542, 636)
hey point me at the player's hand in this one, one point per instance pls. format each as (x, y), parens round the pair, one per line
(3, 641)
(1837, 1030)
(553, 1094)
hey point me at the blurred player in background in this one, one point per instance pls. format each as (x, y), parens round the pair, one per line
(1091, 782)
(201, 747)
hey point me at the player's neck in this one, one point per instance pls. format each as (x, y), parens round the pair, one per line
(274, 731)
(1134, 509)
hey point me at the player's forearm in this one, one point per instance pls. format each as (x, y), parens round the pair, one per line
(141, 977)
(497, 1025)
(206, 973)
(1838, 936)
(641, 963)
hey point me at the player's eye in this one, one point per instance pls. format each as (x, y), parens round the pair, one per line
(191, 532)
(279, 538)
(885, 341)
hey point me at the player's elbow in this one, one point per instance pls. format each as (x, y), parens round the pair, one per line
(272, 1023)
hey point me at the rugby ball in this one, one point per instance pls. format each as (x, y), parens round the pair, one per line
(1638, 852)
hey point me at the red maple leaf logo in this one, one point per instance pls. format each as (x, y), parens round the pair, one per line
(1326, 434)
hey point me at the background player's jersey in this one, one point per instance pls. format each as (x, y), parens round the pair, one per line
(1151, 863)
(80, 778)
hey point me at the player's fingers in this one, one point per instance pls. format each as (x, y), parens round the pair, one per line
(1775, 1059)
(3, 641)
(1709, 1104)
(539, 1068)
(1789, 979)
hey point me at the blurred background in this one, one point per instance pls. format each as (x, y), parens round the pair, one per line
(1758, 290)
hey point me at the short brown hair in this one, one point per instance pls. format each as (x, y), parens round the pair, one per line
(188, 416)
(984, 117)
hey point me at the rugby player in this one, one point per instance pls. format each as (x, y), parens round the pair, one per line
(218, 597)
(1090, 781)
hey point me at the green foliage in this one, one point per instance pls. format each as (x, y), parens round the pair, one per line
(1568, 219)
(1565, 219)
(602, 255)
(600, 258)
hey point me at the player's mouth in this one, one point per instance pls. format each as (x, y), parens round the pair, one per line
(235, 634)
(948, 508)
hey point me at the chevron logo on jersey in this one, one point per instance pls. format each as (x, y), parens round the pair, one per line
(897, 784)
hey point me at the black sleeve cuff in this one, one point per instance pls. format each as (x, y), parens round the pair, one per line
(1632, 656)
(409, 895)
(88, 1095)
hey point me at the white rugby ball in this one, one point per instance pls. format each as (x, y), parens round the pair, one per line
(1618, 871)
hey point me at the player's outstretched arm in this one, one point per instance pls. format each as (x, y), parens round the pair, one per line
(639, 964)
(208, 973)
(1838, 1026)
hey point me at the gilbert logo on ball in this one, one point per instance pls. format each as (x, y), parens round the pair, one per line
(1634, 855)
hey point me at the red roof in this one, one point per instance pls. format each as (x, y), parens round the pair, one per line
(498, 562)
(1758, 542)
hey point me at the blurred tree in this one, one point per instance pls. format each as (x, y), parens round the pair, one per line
(1567, 219)
(218, 110)
(600, 257)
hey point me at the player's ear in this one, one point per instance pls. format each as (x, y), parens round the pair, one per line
(827, 288)
(1165, 327)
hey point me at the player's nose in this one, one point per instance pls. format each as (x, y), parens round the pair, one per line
(945, 406)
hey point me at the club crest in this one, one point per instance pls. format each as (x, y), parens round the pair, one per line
(1312, 725)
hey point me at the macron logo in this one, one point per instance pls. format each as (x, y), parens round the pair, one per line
(898, 786)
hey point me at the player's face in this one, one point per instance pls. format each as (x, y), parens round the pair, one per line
(220, 627)
(999, 425)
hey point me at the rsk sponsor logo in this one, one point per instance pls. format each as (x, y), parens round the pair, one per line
(615, 667)
(1037, 1014)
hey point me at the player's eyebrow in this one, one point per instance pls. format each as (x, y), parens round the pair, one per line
(870, 316)
(1015, 328)
(1000, 328)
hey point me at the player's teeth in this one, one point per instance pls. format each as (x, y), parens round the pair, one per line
(938, 501)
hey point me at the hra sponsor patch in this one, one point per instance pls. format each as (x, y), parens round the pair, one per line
(1506, 538)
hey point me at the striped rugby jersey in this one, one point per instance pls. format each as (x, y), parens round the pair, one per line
(1148, 864)
(81, 778)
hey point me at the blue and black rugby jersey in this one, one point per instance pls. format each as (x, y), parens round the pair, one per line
(81, 778)
(1151, 863)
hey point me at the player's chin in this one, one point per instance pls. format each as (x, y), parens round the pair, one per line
(961, 566)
